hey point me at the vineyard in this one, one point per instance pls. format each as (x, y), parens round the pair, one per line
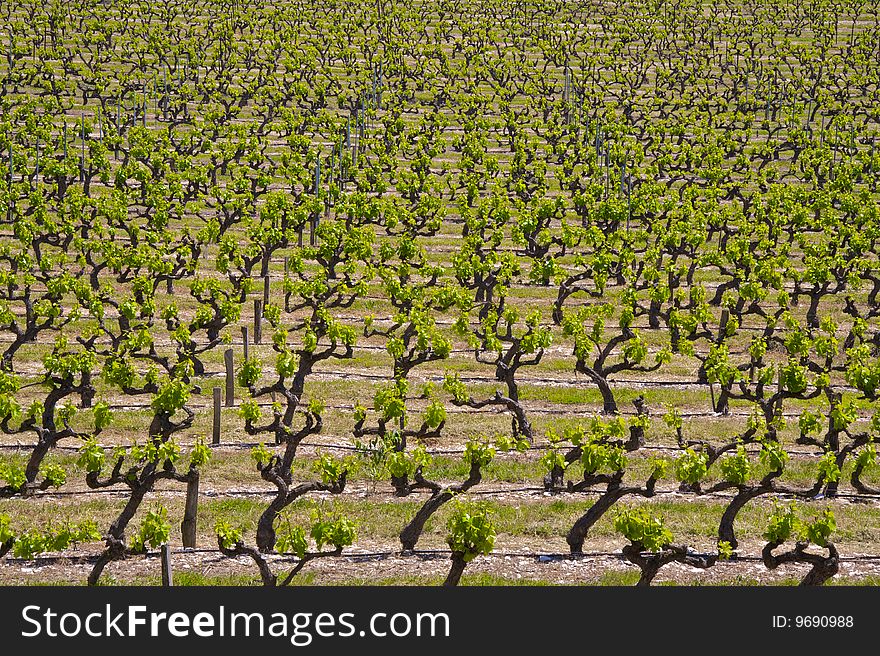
(448, 292)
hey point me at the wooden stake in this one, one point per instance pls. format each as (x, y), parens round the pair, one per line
(167, 574)
(215, 432)
(258, 321)
(264, 265)
(230, 378)
(191, 509)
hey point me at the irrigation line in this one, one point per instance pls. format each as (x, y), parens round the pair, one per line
(369, 450)
(576, 410)
(584, 382)
(421, 554)
(590, 492)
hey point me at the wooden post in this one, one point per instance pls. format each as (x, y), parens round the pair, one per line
(167, 575)
(215, 432)
(722, 327)
(258, 320)
(230, 379)
(244, 342)
(191, 509)
(116, 146)
(169, 285)
(264, 267)
(266, 291)
(11, 202)
(82, 164)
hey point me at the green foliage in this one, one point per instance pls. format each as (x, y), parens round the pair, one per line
(659, 468)
(862, 372)
(153, 531)
(119, 372)
(261, 455)
(360, 412)
(171, 397)
(156, 452)
(793, 377)
(286, 365)
(54, 474)
(635, 350)
(828, 468)
(315, 407)
(507, 442)
(691, 466)
(456, 388)
(249, 372)
(785, 524)
(14, 475)
(597, 431)
(757, 348)
(292, 539)
(736, 469)
(844, 413)
(229, 536)
(640, 421)
(819, 530)
(471, 531)
(673, 419)
(810, 423)
(200, 454)
(249, 410)
(336, 531)
(553, 458)
(773, 455)
(718, 367)
(401, 464)
(91, 456)
(9, 408)
(9, 382)
(331, 468)
(65, 413)
(6, 532)
(782, 525)
(478, 452)
(55, 538)
(597, 456)
(435, 414)
(103, 416)
(866, 457)
(390, 401)
(642, 528)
